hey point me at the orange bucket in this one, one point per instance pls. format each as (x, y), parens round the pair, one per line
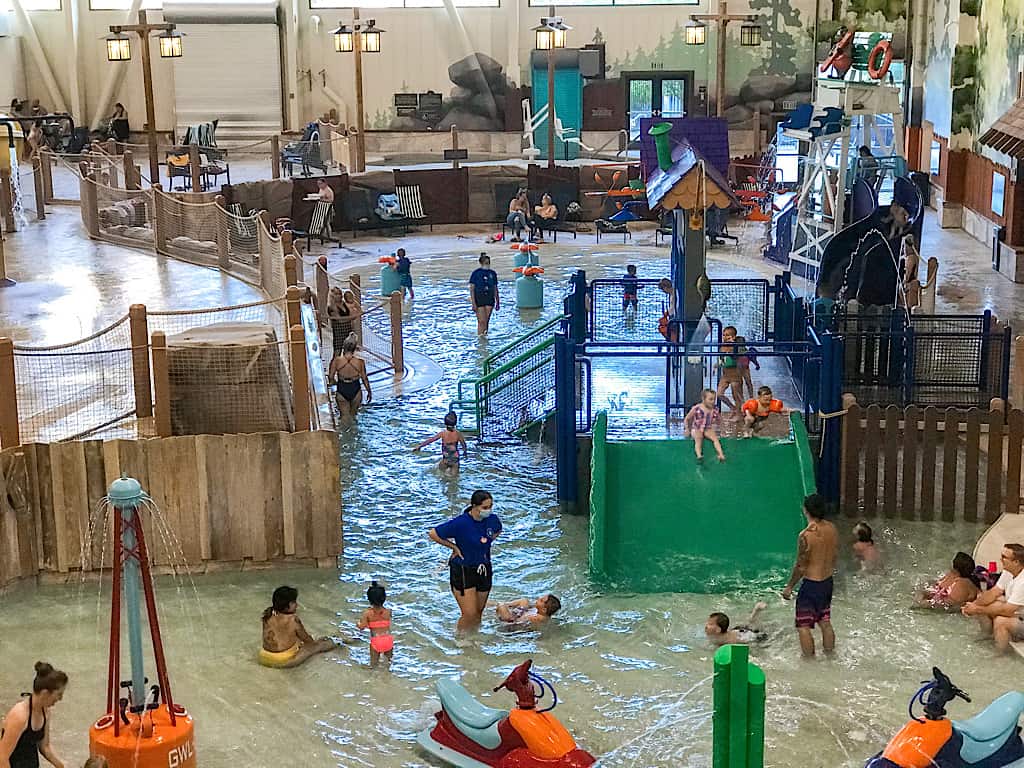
(149, 742)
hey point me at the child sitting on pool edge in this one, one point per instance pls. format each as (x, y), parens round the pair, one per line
(524, 613)
(701, 421)
(450, 439)
(718, 632)
(377, 619)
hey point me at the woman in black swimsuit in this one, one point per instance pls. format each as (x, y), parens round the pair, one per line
(26, 733)
(340, 314)
(349, 373)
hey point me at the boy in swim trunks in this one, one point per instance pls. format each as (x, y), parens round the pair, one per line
(526, 613)
(756, 412)
(630, 288)
(286, 643)
(817, 549)
(718, 632)
(377, 619)
(450, 439)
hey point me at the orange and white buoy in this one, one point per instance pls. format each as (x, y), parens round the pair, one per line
(151, 741)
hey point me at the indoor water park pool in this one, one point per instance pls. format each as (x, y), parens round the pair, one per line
(632, 671)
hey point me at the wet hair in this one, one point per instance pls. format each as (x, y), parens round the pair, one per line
(729, 328)
(864, 150)
(631, 268)
(478, 498)
(964, 565)
(863, 532)
(400, 252)
(814, 505)
(766, 390)
(485, 259)
(281, 599)
(665, 284)
(96, 762)
(451, 419)
(721, 620)
(47, 678)
(1017, 550)
(350, 343)
(376, 595)
(552, 605)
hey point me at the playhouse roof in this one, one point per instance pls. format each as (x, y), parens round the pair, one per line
(680, 185)
(1007, 133)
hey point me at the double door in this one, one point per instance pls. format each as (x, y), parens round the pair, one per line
(656, 94)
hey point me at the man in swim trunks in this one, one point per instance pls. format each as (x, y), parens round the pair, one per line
(286, 643)
(1000, 610)
(526, 612)
(717, 629)
(817, 549)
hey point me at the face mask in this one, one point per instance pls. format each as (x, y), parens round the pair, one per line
(484, 512)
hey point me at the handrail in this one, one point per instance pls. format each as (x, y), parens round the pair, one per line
(490, 359)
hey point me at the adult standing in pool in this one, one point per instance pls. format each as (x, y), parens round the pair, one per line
(483, 293)
(469, 537)
(26, 733)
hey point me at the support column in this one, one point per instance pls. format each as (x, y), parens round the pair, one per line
(397, 348)
(10, 431)
(275, 157)
(193, 167)
(37, 181)
(300, 378)
(132, 176)
(7, 200)
(159, 231)
(161, 385)
(138, 325)
(46, 160)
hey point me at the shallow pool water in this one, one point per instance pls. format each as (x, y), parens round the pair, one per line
(632, 672)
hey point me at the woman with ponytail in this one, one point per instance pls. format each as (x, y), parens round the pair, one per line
(26, 733)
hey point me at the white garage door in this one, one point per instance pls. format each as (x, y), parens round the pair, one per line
(231, 67)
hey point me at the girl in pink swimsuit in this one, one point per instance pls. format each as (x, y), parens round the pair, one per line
(377, 619)
(702, 421)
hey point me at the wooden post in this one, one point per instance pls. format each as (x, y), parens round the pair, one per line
(720, 44)
(194, 169)
(7, 200)
(89, 204)
(291, 276)
(46, 159)
(293, 305)
(1017, 375)
(139, 329)
(551, 96)
(161, 385)
(223, 244)
(10, 435)
(110, 147)
(300, 378)
(147, 85)
(159, 232)
(397, 345)
(132, 176)
(275, 157)
(357, 48)
(323, 285)
(356, 286)
(37, 180)
(455, 146)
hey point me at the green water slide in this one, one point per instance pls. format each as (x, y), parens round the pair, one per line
(659, 522)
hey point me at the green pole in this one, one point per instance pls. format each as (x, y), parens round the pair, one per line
(661, 143)
(738, 713)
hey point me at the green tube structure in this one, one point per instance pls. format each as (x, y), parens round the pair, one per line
(738, 716)
(661, 144)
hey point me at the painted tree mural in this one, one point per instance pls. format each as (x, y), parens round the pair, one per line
(782, 20)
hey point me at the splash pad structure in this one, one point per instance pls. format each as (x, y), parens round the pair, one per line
(145, 728)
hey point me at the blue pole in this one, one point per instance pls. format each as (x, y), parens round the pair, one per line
(133, 607)
(565, 423)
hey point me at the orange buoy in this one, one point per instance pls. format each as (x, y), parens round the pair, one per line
(529, 271)
(387, 260)
(879, 70)
(151, 741)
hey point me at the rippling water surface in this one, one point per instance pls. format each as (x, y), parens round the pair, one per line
(632, 671)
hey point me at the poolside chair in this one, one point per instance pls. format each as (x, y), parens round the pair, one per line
(411, 203)
(319, 224)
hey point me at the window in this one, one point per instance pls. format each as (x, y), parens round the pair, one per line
(544, 3)
(123, 5)
(998, 192)
(936, 157)
(371, 4)
(32, 5)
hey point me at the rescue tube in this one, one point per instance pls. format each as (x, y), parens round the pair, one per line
(837, 50)
(278, 659)
(884, 47)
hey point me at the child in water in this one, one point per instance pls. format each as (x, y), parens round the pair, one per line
(701, 422)
(450, 439)
(864, 548)
(377, 619)
(526, 613)
(718, 632)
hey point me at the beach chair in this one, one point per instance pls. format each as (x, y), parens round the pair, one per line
(411, 203)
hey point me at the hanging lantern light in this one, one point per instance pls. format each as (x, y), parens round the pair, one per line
(696, 33)
(545, 37)
(170, 45)
(119, 47)
(371, 37)
(560, 30)
(750, 34)
(344, 40)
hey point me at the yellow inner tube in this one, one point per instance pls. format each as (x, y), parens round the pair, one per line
(278, 658)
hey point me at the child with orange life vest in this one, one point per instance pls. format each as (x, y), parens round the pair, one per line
(756, 412)
(701, 422)
(377, 619)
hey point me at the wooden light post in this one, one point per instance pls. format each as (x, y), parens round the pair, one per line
(722, 19)
(119, 49)
(358, 40)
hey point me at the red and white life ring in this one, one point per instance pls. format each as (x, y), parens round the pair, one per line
(884, 47)
(837, 50)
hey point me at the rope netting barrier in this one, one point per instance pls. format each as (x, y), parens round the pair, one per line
(123, 216)
(187, 231)
(271, 262)
(72, 390)
(243, 242)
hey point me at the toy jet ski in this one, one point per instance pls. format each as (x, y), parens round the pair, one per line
(471, 735)
(990, 739)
